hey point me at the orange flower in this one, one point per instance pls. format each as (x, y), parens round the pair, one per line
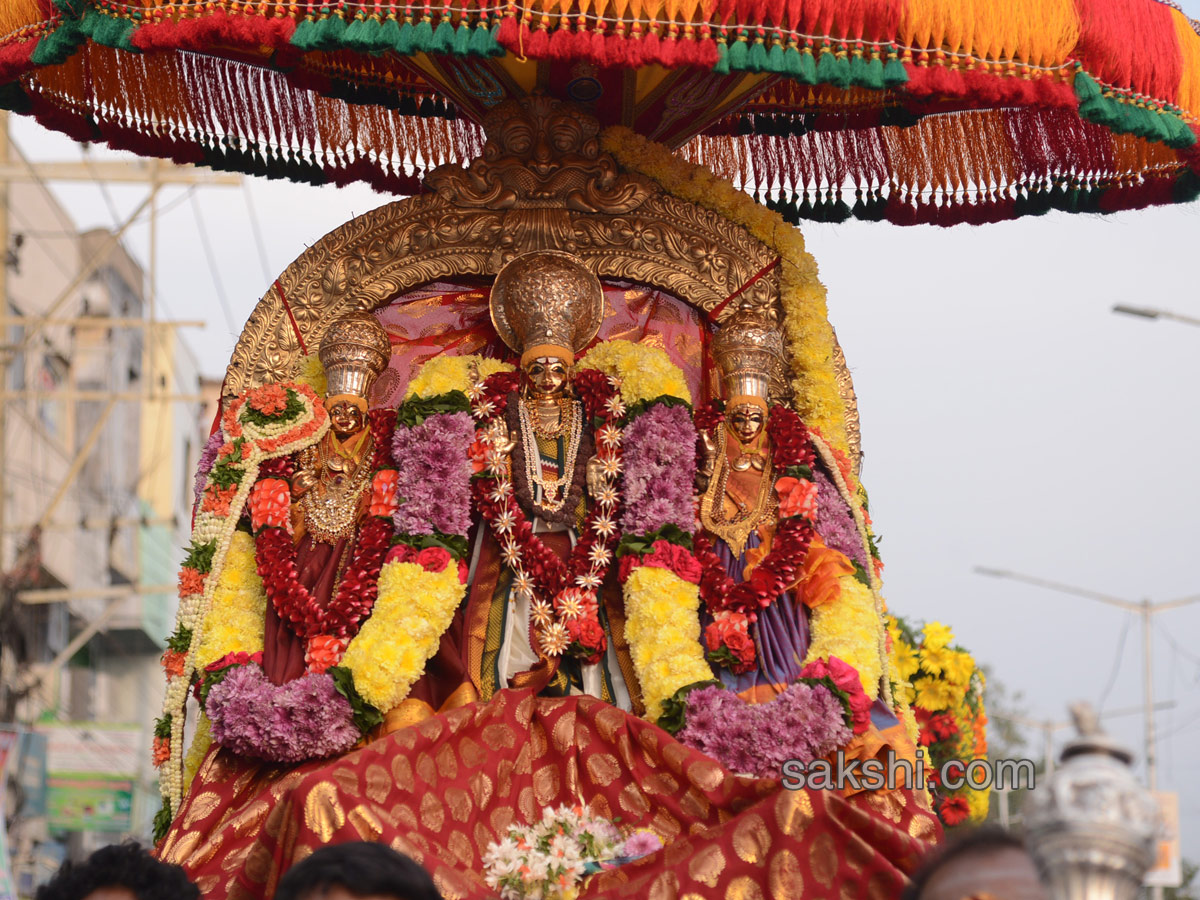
(478, 454)
(797, 497)
(190, 582)
(268, 399)
(324, 651)
(162, 750)
(173, 661)
(819, 577)
(384, 500)
(270, 503)
(217, 500)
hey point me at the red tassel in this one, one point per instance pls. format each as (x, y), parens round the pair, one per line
(651, 48)
(668, 52)
(1131, 43)
(509, 34)
(538, 45)
(705, 52)
(562, 43)
(14, 59)
(599, 52)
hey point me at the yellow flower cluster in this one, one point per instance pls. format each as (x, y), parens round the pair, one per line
(849, 630)
(663, 629)
(645, 372)
(805, 317)
(312, 373)
(234, 623)
(444, 374)
(201, 741)
(390, 651)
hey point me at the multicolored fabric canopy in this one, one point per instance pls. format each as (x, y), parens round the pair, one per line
(938, 111)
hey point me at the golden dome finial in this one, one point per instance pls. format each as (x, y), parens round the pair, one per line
(547, 303)
(748, 349)
(354, 350)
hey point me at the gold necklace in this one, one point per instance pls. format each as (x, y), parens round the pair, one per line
(330, 507)
(735, 531)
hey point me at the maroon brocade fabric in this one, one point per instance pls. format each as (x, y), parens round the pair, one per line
(443, 790)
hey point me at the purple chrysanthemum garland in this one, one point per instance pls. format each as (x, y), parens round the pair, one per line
(434, 472)
(303, 719)
(660, 470)
(835, 523)
(805, 722)
(208, 456)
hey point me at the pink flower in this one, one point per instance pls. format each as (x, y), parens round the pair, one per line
(433, 559)
(641, 843)
(845, 678)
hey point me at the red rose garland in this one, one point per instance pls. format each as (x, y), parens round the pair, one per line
(355, 596)
(569, 588)
(781, 567)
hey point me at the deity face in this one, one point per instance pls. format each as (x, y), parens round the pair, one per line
(745, 421)
(548, 377)
(346, 419)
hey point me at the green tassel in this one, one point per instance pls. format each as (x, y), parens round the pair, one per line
(858, 67)
(443, 38)
(776, 58)
(756, 59)
(808, 68)
(304, 36)
(481, 40)
(331, 33)
(462, 39)
(58, 46)
(827, 68)
(1187, 187)
(354, 37)
(791, 62)
(842, 73)
(404, 42)
(1085, 87)
(894, 73)
(722, 66)
(1184, 136)
(873, 74)
(384, 37)
(423, 36)
(739, 54)
(497, 50)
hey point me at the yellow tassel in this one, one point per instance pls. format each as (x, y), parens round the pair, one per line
(1189, 49)
(1038, 32)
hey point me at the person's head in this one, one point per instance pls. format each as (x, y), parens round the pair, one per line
(347, 416)
(548, 376)
(746, 419)
(356, 871)
(985, 863)
(120, 872)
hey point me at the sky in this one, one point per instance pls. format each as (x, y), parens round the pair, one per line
(1010, 419)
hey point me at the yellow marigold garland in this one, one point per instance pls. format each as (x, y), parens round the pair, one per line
(444, 374)
(201, 741)
(663, 627)
(805, 316)
(390, 651)
(312, 373)
(849, 630)
(234, 623)
(645, 372)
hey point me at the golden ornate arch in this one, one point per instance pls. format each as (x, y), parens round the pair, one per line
(542, 182)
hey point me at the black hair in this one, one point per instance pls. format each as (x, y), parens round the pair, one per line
(984, 839)
(363, 868)
(127, 865)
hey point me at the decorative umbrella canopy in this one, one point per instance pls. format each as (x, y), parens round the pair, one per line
(912, 110)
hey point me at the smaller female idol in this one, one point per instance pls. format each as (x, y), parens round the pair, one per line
(739, 505)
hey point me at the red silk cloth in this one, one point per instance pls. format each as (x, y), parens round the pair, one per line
(443, 790)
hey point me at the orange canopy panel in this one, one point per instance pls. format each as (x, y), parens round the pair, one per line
(939, 111)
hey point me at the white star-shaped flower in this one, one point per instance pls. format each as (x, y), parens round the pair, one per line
(541, 614)
(570, 604)
(475, 391)
(609, 436)
(484, 409)
(554, 639)
(607, 495)
(511, 554)
(505, 521)
(604, 526)
(500, 492)
(589, 582)
(615, 407)
(610, 466)
(523, 584)
(599, 554)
